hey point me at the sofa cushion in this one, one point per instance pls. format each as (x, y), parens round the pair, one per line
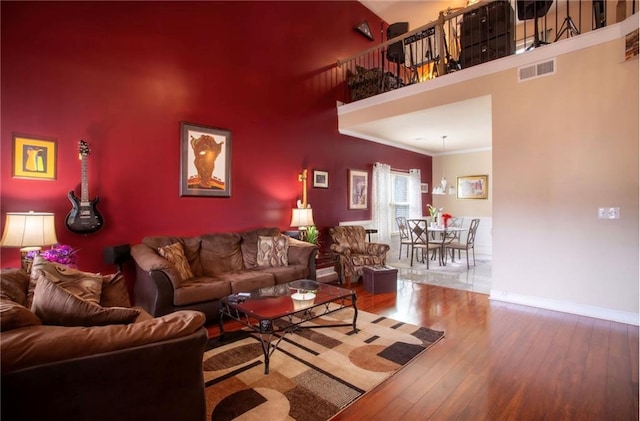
(249, 244)
(200, 289)
(272, 251)
(220, 253)
(85, 285)
(249, 280)
(36, 345)
(114, 291)
(174, 253)
(284, 274)
(55, 305)
(14, 315)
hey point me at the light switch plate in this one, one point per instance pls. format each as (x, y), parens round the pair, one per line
(608, 213)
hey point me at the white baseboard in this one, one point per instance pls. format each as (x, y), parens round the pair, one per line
(566, 307)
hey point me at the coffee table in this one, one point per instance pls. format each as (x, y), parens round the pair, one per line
(273, 312)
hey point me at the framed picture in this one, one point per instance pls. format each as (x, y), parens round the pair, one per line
(473, 187)
(424, 187)
(34, 157)
(205, 161)
(358, 187)
(321, 179)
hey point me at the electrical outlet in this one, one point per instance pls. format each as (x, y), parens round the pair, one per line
(608, 213)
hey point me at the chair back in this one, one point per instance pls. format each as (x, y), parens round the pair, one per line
(351, 236)
(402, 228)
(418, 231)
(471, 235)
(456, 222)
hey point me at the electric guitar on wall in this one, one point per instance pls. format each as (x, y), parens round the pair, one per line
(84, 218)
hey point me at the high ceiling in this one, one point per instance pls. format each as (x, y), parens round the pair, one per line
(422, 130)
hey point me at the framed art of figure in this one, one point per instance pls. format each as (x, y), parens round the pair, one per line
(358, 187)
(205, 161)
(34, 157)
(473, 187)
(321, 179)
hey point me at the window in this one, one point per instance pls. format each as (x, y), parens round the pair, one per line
(399, 197)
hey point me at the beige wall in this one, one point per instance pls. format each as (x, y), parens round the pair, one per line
(563, 146)
(457, 165)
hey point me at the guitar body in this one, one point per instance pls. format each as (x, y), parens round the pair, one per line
(84, 217)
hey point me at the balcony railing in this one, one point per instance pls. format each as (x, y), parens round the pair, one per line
(465, 37)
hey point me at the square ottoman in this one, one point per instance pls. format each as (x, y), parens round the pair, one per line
(379, 279)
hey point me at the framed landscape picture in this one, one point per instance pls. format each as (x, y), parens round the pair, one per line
(205, 161)
(358, 187)
(473, 187)
(34, 157)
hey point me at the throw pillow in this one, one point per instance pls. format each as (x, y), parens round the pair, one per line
(114, 291)
(85, 285)
(273, 251)
(174, 253)
(55, 305)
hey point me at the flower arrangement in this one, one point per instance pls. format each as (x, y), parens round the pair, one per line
(58, 253)
(445, 218)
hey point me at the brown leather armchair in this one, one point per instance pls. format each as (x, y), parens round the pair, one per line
(355, 252)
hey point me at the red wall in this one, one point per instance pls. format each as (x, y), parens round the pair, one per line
(123, 75)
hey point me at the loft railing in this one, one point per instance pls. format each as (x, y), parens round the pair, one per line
(464, 37)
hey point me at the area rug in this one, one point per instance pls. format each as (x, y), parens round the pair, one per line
(314, 373)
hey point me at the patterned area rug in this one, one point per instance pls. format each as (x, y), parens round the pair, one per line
(314, 373)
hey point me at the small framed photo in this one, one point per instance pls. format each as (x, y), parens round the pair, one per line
(473, 187)
(321, 179)
(358, 188)
(205, 161)
(34, 157)
(424, 187)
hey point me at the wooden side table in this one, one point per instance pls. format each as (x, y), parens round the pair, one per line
(327, 267)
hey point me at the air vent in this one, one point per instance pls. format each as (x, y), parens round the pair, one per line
(536, 70)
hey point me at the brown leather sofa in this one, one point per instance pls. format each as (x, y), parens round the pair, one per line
(150, 369)
(217, 265)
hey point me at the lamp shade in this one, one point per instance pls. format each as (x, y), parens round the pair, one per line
(302, 217)
(29, 229)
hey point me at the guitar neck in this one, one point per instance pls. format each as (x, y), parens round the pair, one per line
(84, 183)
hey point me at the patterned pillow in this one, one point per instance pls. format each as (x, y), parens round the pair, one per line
(55, 305)
(273, 251)
(174, 253)
(85, 285)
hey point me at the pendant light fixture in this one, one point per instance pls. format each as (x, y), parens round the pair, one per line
(442, 187)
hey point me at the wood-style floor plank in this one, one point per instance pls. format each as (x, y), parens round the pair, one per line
(501, 361)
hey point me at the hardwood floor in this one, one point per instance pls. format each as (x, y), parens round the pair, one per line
(501, 361)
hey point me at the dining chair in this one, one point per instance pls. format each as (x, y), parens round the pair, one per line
(419, 232)
(405, 238)
(457, 222)
(468, 245)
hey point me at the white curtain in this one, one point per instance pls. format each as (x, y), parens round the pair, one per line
(382, 201)
(415, 196)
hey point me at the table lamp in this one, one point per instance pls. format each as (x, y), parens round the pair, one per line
(302, 216)
(29, 231)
